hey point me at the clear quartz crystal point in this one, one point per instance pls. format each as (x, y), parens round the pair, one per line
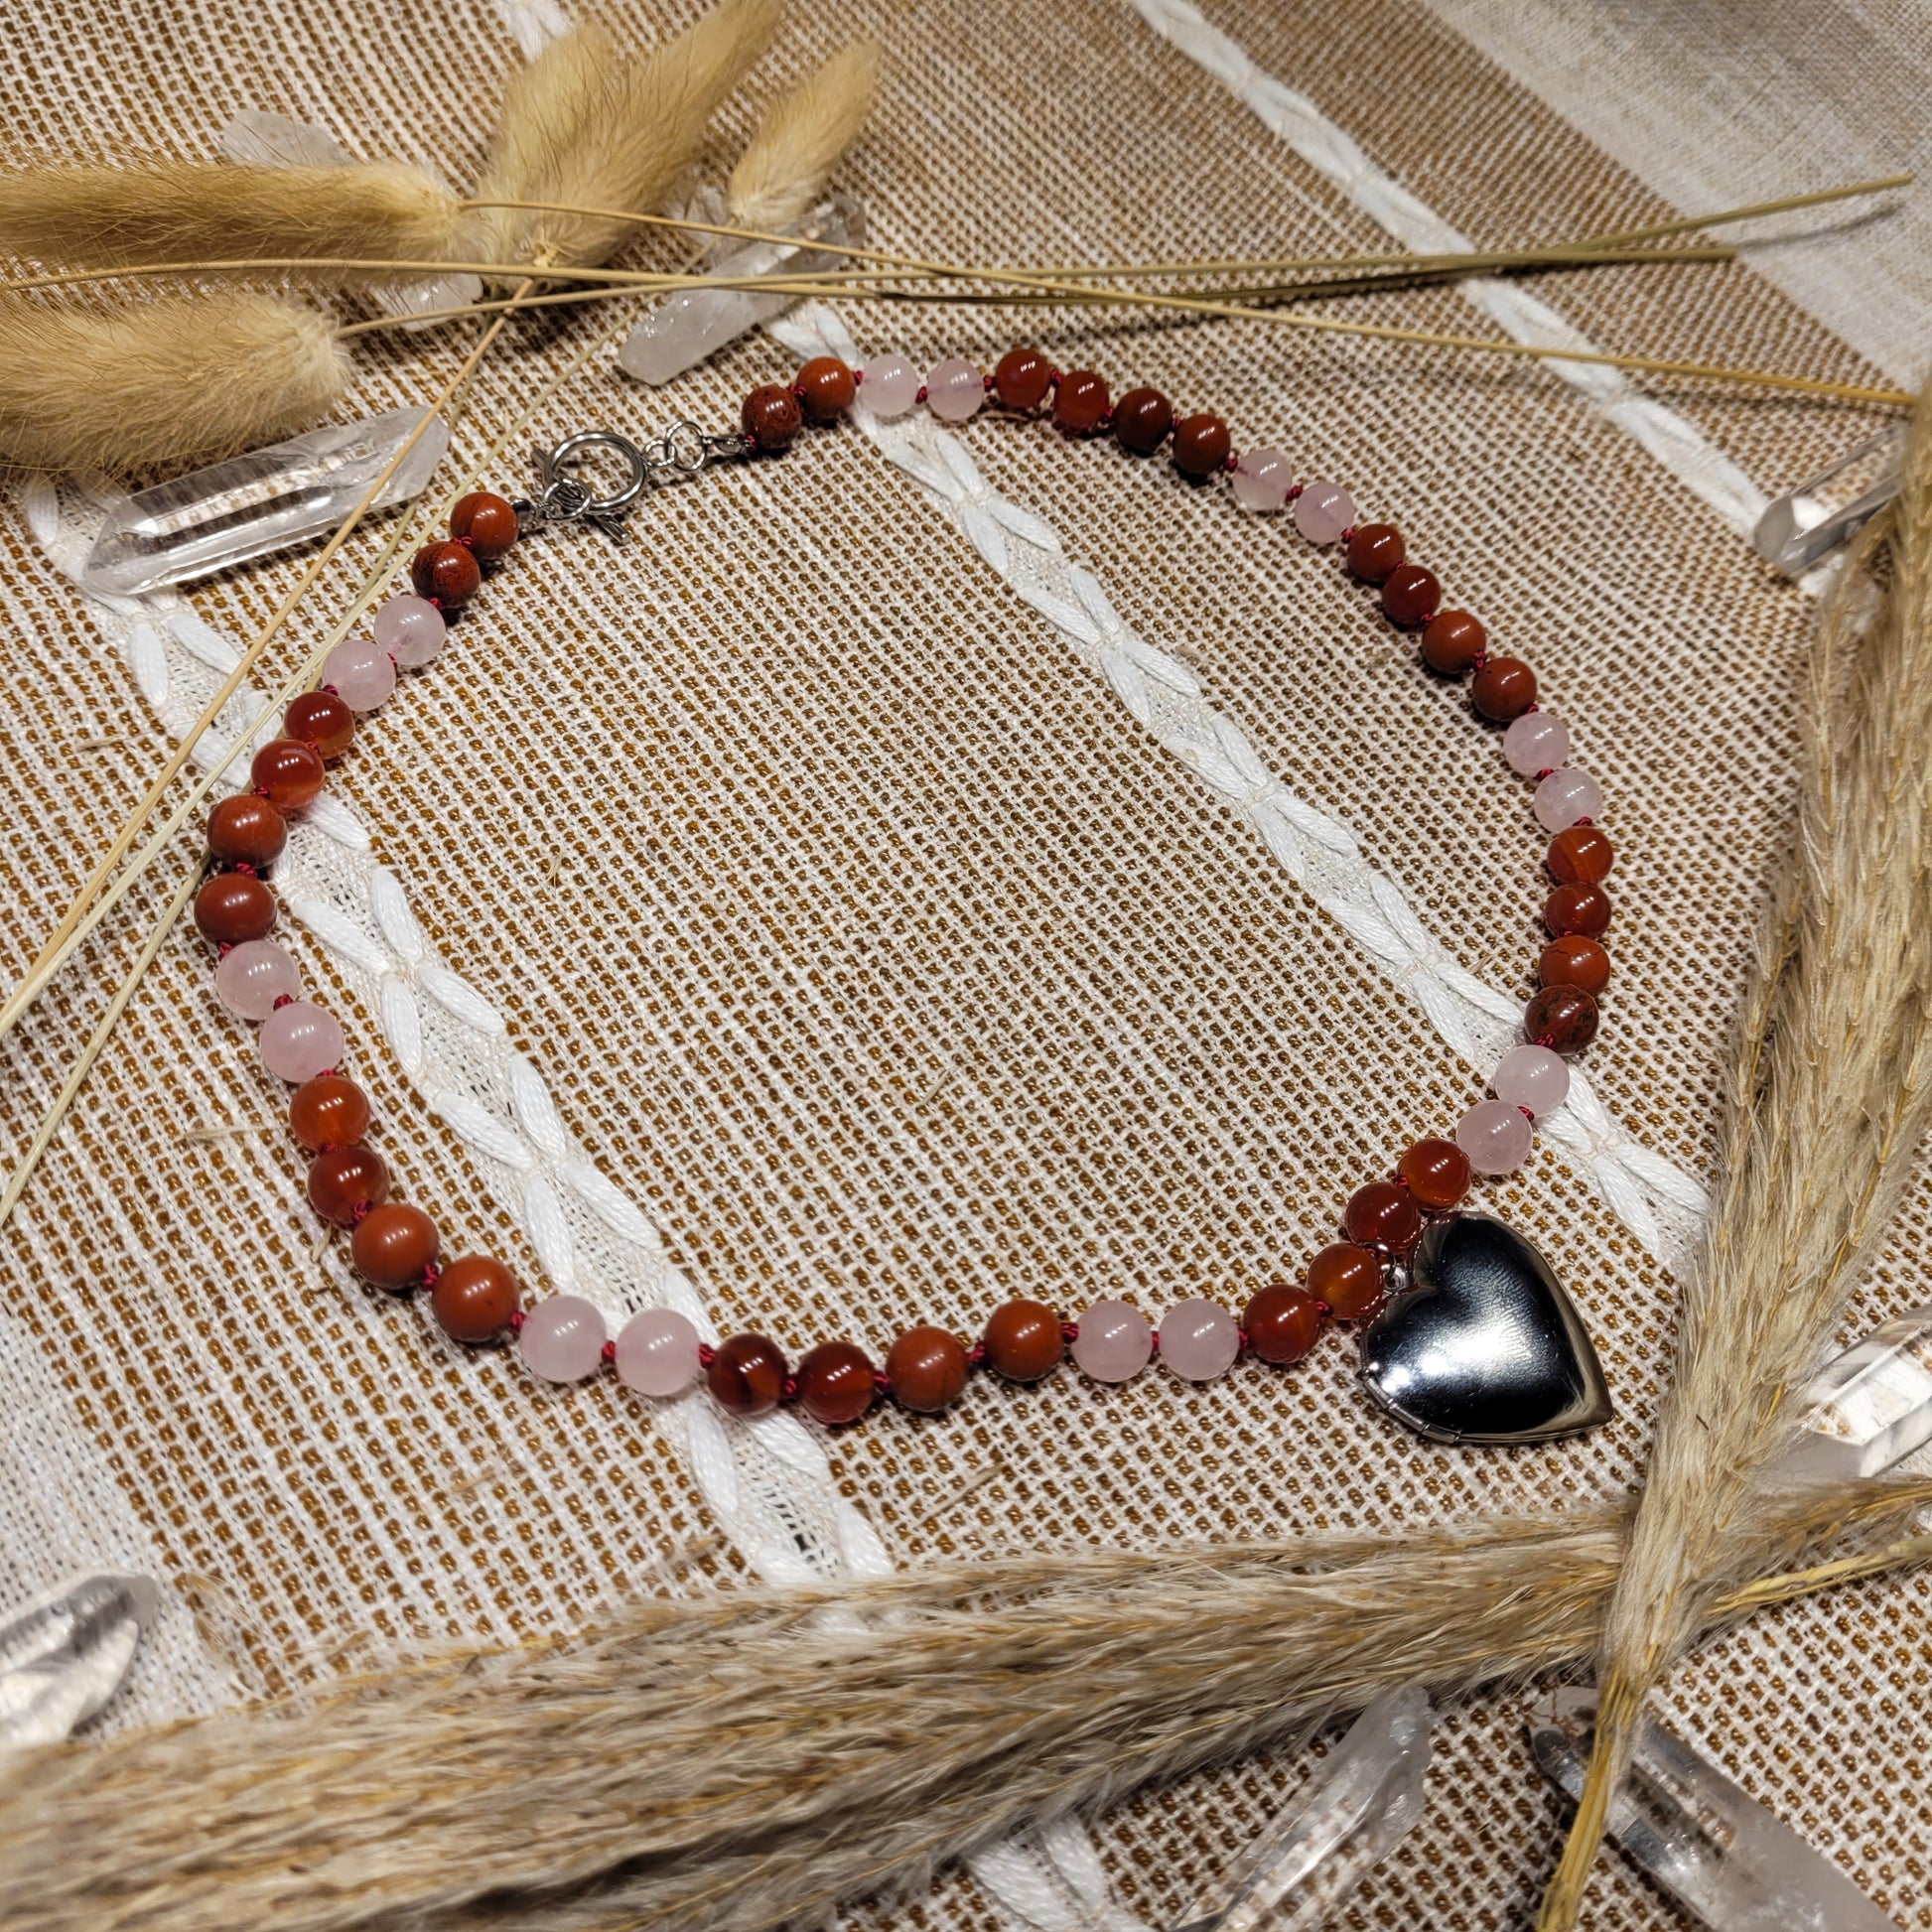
(1871, 1406)
(692, 324)
(1724, 1857)
(63, 1654)
(1362, 1802)
(251, 505)
(1812, 520)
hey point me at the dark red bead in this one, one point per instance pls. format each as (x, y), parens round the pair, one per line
(446, 572)
(487, 522)
(836, 1383)
(1505, 688)
(1435, 1173)
(288, 774)
(322, 721)
(1080, 402)
(1452, 642)
(1562, 1017)
(1024, 1341)
(344, 1178)
(1382, 1215)
(825, 387)
(1582, 909)
(1201, 445)
(1575, 961)
(329, 1111)
(1347, 1279)
(246, 831)
(1142, 420)
(474, 1298)
(1282, 1322)
(926, 1368)
(234, 907)
(1022, 378)
(771, 417)
(1410, 594)
(747, 1375)
(1581, 854)
(394, 1246)
(1374, 551)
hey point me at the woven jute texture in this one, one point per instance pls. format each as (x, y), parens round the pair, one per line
(866, 942)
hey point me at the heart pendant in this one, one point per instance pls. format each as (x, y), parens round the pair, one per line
(1485, 1346)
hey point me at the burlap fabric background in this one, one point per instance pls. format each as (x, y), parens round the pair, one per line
(889, 965)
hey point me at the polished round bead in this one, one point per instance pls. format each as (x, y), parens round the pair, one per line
(474, 1298)
(1535, 742)
(246, 831)
(288, 774)
(771, 417)
(1451, 641)
(254, 976)
(1581, 855)
(1495, 1137)
(1584, 909)
(299, 1041)
(329, 1111)
(234, 907)
(394, 1245)
(447, 572)
(1201, 445)
(1323, 510)
(836, 1383)
(1410, 596)
(1435, 1173)
(926, 1368)
(954, 390)
(1142, 419)
(1374, 551)
(825, 389)
(562, 1338)
(1024, 1341)
(1562, 1017)
(360, 672)
(1022, 378)
(1262, 478)
(1504, 688)
(1198, 1340)
(1284, 1321)
(1564, 796)
(747, 1375)
(1080, 402)
(1382, 1215)
(487, 522)
(1114, 1343)
(1346, 1279)
(411, 629)
(657, 1351)
(343, 1180)
(891, 388)
(1531, 1078)
(1570, 961)
(320, 720)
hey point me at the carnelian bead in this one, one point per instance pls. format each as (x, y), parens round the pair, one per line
(232, 908)
(1282, 1322)
(926, 1369)
(1080, 402)
(474, 1298)
(747, 1375)
(1374, 551)
(1201, 445)
(825, 388)
(322, 721)
(1452, 642)
(487, 522)
(329, 1111)
(1381, 1215)
(394, 1245)
(1348, 1277)
(1023, 1340)
(1584, 909)
(446, 573)
(344, 1178)
(1435, 1173)
(1505, 688)
(1142, 420)
(1573, 960)
(1561, 1018)
(1410, 594)
(288, 774)
(771, 417)
(1581, 854)
(246, 831)
(1022, 378)
(836, 1383)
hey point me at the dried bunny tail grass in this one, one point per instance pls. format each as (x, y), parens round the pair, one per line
(744, 1759)
(127, 388)
(801, 139)
(1829, 1097)
(158, 210)
(584, 126)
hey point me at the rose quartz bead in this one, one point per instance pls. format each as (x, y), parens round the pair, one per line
(1538, 740)
(657, 1354)
(254, 976)
(954, 390)
(562, 1338)
(891, 385)
(1494, 1136)
(1199, 1339)
(1261, 479)
(360, 671)
(299, 1041)
(1566, 796)
(1114, 1343)
(411, 629)
(1532, 1077)
(1323, 510)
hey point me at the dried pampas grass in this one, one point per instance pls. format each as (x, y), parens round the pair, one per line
(127, 390)
(800, 140)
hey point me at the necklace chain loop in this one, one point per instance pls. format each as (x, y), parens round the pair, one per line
(678, 454)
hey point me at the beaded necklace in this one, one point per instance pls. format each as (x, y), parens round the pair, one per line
(1467, 1337)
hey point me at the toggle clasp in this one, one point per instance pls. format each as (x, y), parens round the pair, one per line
(682, 452)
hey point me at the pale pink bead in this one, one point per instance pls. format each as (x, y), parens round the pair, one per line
(1494, 1136)
(657, 1354)
(891, 385)
(1261, 479)
(1566, 796)
(1199, 1339)
(411, 629)
(1532, 1077)
(1323, 510)
(299, 1041)
(1114, 1343)
(562, 1338)
(254, 976)
(954, 390)
(1538, 740)
(360, 673)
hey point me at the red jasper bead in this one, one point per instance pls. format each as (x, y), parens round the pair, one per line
(1282, 1322)
(344, 1178)
(329, 1111)
(1584, 909)
(1452, 642)
(1382, 1215)
(825, 388)
(1142, 420)
(246, 831)
(446, 572)
(487, 522)
(288, 774)
(474, 1298)
(926, 1368)
(1505, 688)
(1022, 378)
(1080, 402)
(1348, 1277)
(1374, 551)
(1575, 961)
(1410, 594)
(747, 1375)
(1562, 1017)
(322, 721)
(836, 1383)
(1023, 1340)
(1581, 854)
(1435, 1173)
(1201, 445)
(394, 1245)
(234, 907)
(771, 417)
